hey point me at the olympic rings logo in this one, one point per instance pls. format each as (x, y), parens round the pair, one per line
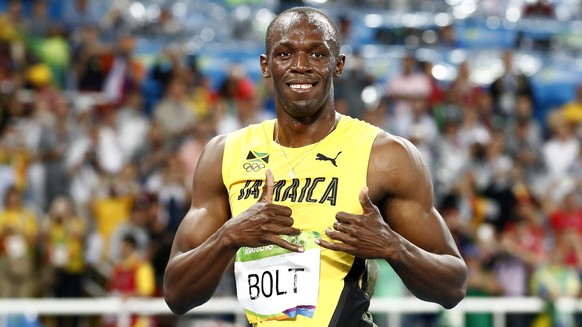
(253, 166)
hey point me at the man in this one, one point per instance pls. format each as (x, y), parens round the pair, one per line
(335, 192)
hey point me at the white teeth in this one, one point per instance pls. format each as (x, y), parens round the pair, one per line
(301, 86)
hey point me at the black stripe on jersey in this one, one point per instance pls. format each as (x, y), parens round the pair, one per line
(353, 302)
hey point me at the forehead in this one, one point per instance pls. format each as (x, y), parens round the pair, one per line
(294, 23)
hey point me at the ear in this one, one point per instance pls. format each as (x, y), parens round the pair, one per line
(339, 66)
(265, 66)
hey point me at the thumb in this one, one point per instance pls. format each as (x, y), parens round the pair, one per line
(365, 201)
(267, 195)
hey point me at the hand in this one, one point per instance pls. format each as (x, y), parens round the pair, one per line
(366, 236)
(264, 221)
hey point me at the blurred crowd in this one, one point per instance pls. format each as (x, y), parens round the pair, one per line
(98, 149)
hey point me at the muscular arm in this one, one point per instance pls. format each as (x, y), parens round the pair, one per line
(422, 251)
(207, 240)
(190, 278)
(405, 230)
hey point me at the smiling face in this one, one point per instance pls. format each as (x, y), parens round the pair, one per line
(302, 59)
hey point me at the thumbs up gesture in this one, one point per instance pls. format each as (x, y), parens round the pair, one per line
(363, 235)
(264, 221)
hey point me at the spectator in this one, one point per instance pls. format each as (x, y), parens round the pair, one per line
(166, 26)
(481, 282)
(39, 23)
(349, 88)
(505, 88)
(54, 144)
(523, 140)
(496, 182)
(132, 277)
(573, 111)
(152, 154)
(89, 57)
(452, 156)
(408, 89)
(126, 74)
(15, 153)
(561, 150)
(236, 90)
(539, 9)
(18, 241)
(463, 86)
(522, 249)
(63, 234)
(78, 13)
(193, 145)
(552, 280)
(174, 196)
(447, 37)
(437, 93)
(161, 238)
(53, 50)
(174, 114)
(132, 125)
(566, 221)
(110, 209)
(134, 226)
(83, 165)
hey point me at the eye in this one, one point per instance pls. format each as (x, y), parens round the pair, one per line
(318, 55)
(284, 54)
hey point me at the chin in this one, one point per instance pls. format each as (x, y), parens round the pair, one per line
(302, 109)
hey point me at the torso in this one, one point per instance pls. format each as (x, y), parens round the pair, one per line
(328, 178)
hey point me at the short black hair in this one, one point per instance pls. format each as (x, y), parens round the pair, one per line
(306, 12)
(130, 239)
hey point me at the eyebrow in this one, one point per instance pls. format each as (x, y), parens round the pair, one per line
(310, 45)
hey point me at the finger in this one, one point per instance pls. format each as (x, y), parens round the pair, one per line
(268, 188)
(341, 226)
(281, 230)
(283, 211)
(365, 201)
(346, 218)
(285, 244)
(335, 235)
(335, 246)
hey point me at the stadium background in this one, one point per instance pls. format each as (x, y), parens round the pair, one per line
(105, 107)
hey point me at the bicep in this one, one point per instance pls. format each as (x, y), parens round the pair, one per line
(423, 227)
(404, 186)
(209, 208)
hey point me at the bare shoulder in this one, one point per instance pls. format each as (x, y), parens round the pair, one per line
(209, 169)
(396, 169)
(214, 149)
(209, 207)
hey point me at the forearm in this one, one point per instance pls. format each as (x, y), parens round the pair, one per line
(191, 277)
(439, 278)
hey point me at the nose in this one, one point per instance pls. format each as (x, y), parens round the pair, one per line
(301, 63)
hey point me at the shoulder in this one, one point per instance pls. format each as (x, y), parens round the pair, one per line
(397, 150)
(396, 168)
(215, 148)
(213, 152)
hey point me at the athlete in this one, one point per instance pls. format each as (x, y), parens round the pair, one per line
(301, 203)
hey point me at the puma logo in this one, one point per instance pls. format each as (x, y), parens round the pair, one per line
(323, 157)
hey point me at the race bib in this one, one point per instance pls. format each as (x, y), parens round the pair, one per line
(273, 283)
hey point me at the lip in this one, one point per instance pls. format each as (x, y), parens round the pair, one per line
(301, 86)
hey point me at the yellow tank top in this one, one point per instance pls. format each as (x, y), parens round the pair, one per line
(328, 179)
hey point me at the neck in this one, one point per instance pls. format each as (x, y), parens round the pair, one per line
(294, 133)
